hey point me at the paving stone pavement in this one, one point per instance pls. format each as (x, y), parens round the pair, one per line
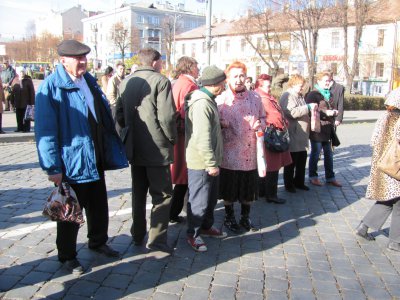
(305, 249)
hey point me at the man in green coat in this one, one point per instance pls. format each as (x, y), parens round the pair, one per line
(145, 110)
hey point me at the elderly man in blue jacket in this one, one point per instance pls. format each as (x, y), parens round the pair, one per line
(76, 142)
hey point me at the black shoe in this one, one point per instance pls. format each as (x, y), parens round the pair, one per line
(2, 132)
(394, 246)
(302, 187)
(177, 219)
(73, 266)
(17, 130)
(275, 199)
(290, 189)
(231, 224)
(161, 247)
(247, 224)
(106, 250)
(362, 230)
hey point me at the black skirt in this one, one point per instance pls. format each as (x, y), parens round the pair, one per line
(239, 186)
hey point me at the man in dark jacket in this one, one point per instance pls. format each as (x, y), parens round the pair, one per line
(7, 76)
(77, 142)
(337, 96)
(145, 111)
(23, 92)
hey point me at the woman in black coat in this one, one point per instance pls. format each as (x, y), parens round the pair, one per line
(23, 93)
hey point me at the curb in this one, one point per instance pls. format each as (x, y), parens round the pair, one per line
(354, 121)
(17, 138)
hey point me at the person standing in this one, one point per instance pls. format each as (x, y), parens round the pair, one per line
(322, 140)
(296, 112)
(203, 142)
(108, 73)
(76, 142)
(146, 112)
(382, 188)
(24, 95)
(112, 89)
(2, 99)
(337, 91)
(242, 114)
(7, 76)
(188, 72)
(268, 185)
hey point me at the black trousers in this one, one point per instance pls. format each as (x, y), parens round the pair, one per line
(268, 185)
(178, 199)
(22, 125)
(92, 197)
(294, 174)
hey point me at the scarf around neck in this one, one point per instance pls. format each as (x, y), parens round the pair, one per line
(325, 93)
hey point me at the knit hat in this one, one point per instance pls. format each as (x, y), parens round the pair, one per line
(212, 75)
(72, 48)
(393, 98)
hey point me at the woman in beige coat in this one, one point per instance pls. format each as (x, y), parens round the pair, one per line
(297, 113)
(382, 188)
(2, 99)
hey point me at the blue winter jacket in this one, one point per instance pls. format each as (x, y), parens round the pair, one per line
(63, 133)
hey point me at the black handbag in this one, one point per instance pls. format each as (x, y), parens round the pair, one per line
(334, 138)
(277, 140)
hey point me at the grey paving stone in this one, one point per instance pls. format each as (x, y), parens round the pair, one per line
(36, 277)
(295, 294)
(304, 283)
(251, 273)
(84, 288)
(322, 275)
(325, 287)
(174, 287)
(276, 295)
(225, 279)
(276, 272)
(166, 296)
(117, 281)
(228, 267)
(108, 293)
(21, 292)
(352, 294)
(250, 286)
(349, 284)
(247, 296)
(52, 290)
(192, 293)
(298, 271)
(139, 291)
(276, 284)
(222, 292)
(18, 270)
(8, 281)
(199, 281)
(374, 292)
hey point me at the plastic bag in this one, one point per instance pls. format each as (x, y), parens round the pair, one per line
(315, 120)
(261, 163)
(63, 206)
(29, 113)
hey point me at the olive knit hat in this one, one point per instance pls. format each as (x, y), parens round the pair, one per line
(212, 75)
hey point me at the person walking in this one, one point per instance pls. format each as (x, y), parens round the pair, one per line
(23, 92)
(242, 114)
(112, 89)
(76, 142)
(382, 188)
(268, 185)
(187, 71)
(146, 112)
(322, 140)
(203, 143)
(297, 113)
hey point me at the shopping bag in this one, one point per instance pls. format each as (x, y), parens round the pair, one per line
(29, 113)
(62, 205)
(261, 162)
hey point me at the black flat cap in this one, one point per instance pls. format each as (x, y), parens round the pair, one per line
(72, 48)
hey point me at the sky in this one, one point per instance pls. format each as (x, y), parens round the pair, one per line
(16, 14)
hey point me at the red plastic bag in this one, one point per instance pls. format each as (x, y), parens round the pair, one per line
(261, 162)
(63, 206)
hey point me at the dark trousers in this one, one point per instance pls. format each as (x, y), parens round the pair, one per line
(22, 125)
(268, 185)
(294, 174)
(1, 121)
(203, 195)
(378, 214)
(92, 197)
(156, 181)
(178, 198)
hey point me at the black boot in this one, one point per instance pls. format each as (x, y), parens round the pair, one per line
(362, 230)
(245, 221)
(230, 221)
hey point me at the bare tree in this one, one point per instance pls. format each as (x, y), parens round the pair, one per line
(308, 18)
(170, 29)
(261, 30)
(354, 14)
(124, 38)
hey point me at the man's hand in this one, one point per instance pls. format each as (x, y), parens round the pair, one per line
(213, 171)
(56, 178)
(337, 123)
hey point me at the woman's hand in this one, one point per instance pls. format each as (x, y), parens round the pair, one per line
(256, 125)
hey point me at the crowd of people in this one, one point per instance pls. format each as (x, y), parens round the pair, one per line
(190, 139)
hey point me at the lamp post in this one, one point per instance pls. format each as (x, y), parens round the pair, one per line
(208, 31)
(95, 30)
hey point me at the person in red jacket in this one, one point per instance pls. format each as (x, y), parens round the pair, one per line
(187, 72)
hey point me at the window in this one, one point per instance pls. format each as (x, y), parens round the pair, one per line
(156, 20)
(183, 49)
(193, 49)
(243, 45)
(227, 45)
(335, 40)
(334, 68)
(381, 37)
(215, 47)
(379, 69)
(140, 19)
(141, 33)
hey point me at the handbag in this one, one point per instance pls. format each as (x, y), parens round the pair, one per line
(277, 140)
(389, 162)
(29, 113)
(62, 205)
(334, 138)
